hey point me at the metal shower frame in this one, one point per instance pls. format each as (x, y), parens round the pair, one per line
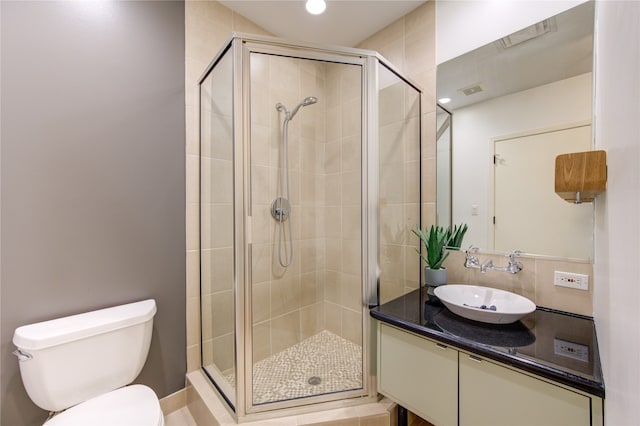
(240, 46)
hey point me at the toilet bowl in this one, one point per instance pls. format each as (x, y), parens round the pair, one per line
(80, 367)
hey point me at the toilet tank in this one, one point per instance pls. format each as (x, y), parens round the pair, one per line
(69, 360)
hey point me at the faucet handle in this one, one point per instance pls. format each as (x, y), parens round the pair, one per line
(512, 256)
(514, 266)
(470, 260)
(472, 249)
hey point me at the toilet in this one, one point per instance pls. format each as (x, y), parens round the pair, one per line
(81, 366)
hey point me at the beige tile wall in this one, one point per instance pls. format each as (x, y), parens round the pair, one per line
(208, 25)
(342, 202)
(399, 187)
(288, 302)
(409, 44)
(322, 287)
(216, 209)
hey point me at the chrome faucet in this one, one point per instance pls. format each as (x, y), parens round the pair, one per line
(487, 265)
(471, 261)
(514, 266)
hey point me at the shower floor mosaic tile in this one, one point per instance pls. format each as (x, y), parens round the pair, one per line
(335, 361)
(323, 363)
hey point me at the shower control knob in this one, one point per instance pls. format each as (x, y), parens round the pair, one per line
(280, 209)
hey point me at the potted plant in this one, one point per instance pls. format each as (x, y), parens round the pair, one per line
(436, 242)
(456, 235)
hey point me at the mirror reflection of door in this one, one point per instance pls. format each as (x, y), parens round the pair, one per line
(525, 203)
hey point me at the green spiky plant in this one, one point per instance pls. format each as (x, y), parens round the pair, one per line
(437, 241)
(456, 235)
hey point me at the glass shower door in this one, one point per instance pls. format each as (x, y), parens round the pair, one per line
(306, 214)
(399, 184)
(217, 208)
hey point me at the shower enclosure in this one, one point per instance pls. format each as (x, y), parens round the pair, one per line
(309, 186)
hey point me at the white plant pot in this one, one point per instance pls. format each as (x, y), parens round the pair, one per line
(434, 278)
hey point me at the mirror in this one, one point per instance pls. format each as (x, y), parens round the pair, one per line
(514, 105)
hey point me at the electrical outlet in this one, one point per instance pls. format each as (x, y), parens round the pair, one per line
(571, 350)
(568, 279)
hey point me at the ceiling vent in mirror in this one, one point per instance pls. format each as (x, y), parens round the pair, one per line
(528, 33)
(470, 90)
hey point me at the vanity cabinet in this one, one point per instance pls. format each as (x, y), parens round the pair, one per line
(418, 373)
(493, 395)
(447, 386)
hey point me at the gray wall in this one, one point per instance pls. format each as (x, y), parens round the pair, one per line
(92, 174)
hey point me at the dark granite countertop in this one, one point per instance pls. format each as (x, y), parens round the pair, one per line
(556, 345)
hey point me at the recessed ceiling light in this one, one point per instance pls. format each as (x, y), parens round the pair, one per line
(316, 7)
(444, 100)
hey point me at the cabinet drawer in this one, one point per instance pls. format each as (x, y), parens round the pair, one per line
(493, 395)
(419, 374)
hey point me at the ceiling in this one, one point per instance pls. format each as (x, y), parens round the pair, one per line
(565, 51)
(344, 22)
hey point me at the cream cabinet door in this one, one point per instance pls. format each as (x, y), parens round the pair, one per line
(419, 374)
(494, 395)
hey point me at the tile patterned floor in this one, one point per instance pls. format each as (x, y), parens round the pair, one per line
(335, 361)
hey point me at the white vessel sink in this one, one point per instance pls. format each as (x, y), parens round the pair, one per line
(484, 304)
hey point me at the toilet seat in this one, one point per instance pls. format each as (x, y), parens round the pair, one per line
(134, 405)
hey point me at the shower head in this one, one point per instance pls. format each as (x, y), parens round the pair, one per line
(307, 101)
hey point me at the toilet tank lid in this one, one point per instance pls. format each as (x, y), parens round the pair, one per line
(67, 329)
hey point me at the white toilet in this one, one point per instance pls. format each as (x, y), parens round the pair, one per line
(82, 364)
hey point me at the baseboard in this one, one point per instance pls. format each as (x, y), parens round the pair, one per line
(174, 402)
